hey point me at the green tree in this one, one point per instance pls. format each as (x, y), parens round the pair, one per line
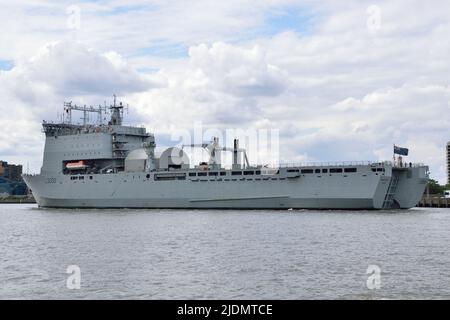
(435, 188)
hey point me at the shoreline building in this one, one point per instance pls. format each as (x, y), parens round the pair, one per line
(11, 182)
(448, 162)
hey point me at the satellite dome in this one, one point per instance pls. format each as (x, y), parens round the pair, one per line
(173, 158)
(136, 161)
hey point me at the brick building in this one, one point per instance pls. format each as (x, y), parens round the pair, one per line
(11, 182)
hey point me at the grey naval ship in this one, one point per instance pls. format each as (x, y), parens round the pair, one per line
(114, 166)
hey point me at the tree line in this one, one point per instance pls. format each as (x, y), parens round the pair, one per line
(435, 188)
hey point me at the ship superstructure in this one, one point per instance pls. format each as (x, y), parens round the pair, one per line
(109, 165)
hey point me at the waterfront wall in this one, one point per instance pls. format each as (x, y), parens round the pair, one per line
(434, 202)
(17, 199)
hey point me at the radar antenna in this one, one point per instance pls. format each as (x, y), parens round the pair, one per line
(69, 107)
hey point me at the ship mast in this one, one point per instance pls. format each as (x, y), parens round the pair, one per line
(116, 113)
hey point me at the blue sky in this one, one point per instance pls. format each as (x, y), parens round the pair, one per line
(6, 64)
(340, 80)
(294, 18)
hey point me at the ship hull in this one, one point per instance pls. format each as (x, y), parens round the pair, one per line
(362, 190)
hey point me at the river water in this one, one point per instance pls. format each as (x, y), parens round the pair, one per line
(232, 254)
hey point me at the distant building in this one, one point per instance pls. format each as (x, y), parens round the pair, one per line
(448, 162)
(11, 171)
(11, 182)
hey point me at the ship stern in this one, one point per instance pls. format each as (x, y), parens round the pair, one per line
(411, 185)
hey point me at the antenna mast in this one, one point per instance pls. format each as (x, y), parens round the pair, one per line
(116, 113)
(69, 107)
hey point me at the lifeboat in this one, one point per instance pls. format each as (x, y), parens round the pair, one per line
(78, 165)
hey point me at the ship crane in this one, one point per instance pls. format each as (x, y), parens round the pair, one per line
(214, 149)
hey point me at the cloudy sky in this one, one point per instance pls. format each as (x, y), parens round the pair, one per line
(341, 80)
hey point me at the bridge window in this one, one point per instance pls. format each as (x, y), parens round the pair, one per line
(336, 170)
(307, 171)
(236, 173)
(324, 170)
(192, 174)
(202, 174)
(350, 170)
(223, 173)
(249, 173)
(317, 171)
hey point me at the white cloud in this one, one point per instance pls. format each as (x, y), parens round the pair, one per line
(72, 69)
(219, 85)
(238, 71)
(336, 92)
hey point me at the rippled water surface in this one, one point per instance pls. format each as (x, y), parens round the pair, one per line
(201, 254)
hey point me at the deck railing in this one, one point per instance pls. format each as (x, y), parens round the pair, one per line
(352, 163)
(331, 164)
(326, 164)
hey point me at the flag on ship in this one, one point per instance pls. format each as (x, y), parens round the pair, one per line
(401, 151)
